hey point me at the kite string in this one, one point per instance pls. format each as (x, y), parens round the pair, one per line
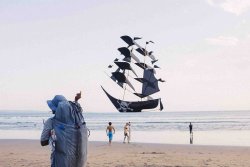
(125, 86)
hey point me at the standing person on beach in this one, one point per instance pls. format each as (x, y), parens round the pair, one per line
(191, 128)
(191, 133)
(110, 131)
(67, 133)
(126, 132)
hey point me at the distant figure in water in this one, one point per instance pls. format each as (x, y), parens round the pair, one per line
(126, 132)
(191, 132)
(110, 131)
(191, 128)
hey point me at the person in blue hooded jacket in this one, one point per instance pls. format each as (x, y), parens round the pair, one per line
(66, 132)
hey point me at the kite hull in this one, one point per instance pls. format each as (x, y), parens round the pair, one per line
(132, 106)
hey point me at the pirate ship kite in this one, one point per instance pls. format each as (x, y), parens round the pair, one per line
(148, 82)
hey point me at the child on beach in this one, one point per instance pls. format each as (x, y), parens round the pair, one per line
(110, 131)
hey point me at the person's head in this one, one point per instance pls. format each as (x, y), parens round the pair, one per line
(110, 123)
(53, 104)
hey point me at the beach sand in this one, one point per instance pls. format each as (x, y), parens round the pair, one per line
(25, 153)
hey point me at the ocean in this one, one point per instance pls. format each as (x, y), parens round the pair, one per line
(209, 127)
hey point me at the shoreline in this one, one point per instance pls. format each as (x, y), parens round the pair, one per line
(138, 143)
(27, 152)
(211, 138)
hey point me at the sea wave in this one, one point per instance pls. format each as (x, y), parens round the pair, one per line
(145, 121)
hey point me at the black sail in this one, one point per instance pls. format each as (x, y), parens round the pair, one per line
(121, 78)
(125, 66)
(144, 52)
(128, 40)
(150, 84)
(128, 54)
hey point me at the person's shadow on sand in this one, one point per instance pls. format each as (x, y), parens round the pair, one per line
(191, 138)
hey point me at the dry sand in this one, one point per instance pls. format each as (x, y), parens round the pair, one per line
(15, 153)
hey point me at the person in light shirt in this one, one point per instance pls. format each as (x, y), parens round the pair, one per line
(126, 132)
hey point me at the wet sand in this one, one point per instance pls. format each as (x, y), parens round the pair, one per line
(29, 153)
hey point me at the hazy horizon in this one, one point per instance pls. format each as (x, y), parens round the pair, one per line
(115, 111)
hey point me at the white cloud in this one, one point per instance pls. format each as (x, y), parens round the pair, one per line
(223, 41)
(233, 6)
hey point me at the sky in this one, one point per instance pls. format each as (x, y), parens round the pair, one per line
(50, 47)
